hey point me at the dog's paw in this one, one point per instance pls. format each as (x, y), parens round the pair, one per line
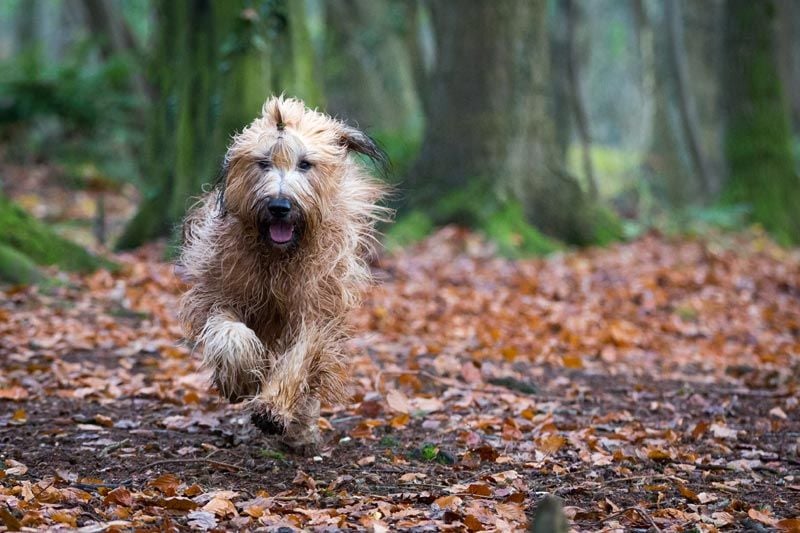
(306, 449)
(268, 422)
(235, 355)
(306, 443)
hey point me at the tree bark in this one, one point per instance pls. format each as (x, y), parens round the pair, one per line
(212, 71)
(372, 61)
(789, 54)
(576, 96)
(488, 131)
(757, 135)
(684, 98)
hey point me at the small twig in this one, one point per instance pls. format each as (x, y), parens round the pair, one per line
(113, 447)
(192, 460)
(344, 419)
(95, 486)
(43, 489)
(758, 393)
(641, 512)
(450, 382)
(644, 477)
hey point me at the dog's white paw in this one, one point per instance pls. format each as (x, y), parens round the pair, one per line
(236, 356)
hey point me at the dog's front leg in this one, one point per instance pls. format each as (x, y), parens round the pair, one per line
(235, 355)
(309, 371)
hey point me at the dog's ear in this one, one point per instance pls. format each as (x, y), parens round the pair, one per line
(220, 184)
(356, 140)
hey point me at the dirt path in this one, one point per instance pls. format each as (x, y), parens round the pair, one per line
(653, 384)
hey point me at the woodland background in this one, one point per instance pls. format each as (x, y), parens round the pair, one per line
(539, 123)
(587, 310)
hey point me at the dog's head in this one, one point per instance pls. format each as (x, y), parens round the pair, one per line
(284, 172)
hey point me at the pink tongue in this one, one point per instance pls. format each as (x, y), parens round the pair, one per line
(281, 232)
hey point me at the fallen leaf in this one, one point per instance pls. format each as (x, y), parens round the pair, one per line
(221, 507)
(13, 393)
(167, 484)
(15, 468)
(398, 401)
(762, 517)
(304, 480)
(119, 496)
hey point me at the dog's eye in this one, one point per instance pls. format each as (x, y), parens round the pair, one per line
(304, 165)
(264, 164)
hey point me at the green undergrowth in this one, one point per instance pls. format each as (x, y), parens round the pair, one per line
(502, 222)
(27, 242)
(692, 221)
(17, 268)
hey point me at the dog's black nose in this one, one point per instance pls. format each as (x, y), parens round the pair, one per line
(279, 207)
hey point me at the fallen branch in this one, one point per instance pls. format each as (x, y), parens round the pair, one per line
(219, 464)
(641, 513)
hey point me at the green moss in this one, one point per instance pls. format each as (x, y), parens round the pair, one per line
(31, 238)
(17, 268)
(758, 134)
(607, 226)
(513, 235)
(618, 167)
(408, 229)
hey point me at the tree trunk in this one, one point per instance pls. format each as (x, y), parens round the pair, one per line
(578, 103)
(676, 52)
(488, 134)
(789, 53)
(757, 140)
(672, 177)
(212, 73)
(371, 65)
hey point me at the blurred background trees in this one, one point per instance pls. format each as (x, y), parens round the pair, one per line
(538, 122)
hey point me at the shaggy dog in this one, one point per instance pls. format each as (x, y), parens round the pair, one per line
(276, 258)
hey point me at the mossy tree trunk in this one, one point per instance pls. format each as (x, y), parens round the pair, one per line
(370, 64)
(212, 70)
(26, 242)
(488, 126)
(757, 136)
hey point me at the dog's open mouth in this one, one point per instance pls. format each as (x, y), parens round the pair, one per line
(281, 231)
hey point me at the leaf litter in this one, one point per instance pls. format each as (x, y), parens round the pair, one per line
(652, 384)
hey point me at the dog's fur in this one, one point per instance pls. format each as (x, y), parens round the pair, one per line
(271, 316)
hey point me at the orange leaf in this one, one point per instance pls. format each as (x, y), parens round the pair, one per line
(479, 489)
(688, 493)
(64, 518)
(19, 417)
(13, 393)
(551, 443)
(166, 484)
(400, 421)
(472, 523)
(764, 518)
(119, 496)
(657, 454)
(572, 361)
(193, 490)
(792, 525)
(256, 511)
(448, 502)
(177, 503)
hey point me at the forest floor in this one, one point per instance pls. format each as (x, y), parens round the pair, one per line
(651, 385)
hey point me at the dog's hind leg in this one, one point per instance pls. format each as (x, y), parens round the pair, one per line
(235, 355)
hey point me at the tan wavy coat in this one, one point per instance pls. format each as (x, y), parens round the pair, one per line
(272, 317)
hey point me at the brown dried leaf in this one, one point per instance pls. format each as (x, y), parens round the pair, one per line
(167, 484)
(119, 496)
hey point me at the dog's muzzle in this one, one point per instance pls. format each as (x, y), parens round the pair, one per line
(280, 222)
